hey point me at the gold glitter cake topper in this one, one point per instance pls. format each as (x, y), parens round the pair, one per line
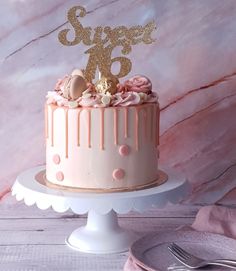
(103, 41)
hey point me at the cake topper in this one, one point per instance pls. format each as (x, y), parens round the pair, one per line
(103, 40)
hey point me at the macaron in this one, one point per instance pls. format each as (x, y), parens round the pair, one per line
(77, 86)
(77, 72)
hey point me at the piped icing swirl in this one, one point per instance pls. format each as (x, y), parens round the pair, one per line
(74, 91)
(138, 83)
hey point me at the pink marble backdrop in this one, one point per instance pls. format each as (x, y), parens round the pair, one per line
(192, 66)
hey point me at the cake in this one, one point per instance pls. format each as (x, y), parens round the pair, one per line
(102, 136)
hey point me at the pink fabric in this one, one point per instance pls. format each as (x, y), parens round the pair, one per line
(215, 219)
(131, 266)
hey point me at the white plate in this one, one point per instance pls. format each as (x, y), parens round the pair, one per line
(152, 254)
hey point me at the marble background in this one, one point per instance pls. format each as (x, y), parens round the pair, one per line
(192, 66)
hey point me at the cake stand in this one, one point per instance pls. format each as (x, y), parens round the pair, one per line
(102, 233)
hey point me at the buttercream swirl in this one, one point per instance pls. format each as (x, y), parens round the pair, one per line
(137, 90)
(60, 82)
(98, 100)
(138, 83)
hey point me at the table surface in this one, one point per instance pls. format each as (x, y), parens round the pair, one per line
(32, 239)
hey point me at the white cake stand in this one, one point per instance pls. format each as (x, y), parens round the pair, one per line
(102, 233)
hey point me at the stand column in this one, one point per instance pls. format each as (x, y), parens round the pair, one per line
(102, 234)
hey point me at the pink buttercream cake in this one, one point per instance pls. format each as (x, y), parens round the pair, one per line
(103, 136)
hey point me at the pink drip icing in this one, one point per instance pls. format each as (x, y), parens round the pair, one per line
(115, 126)
(157, 125)
(66, 132)
(102, 128)
(137, 128)
(78, 135)
(126, 121)
(52, 126)
(89, 128)
(145, 122)
(151, 126)
(46, 120)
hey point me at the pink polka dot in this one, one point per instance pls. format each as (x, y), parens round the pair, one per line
(56, 159)
(124, 150)
(118, 174)
(60, 176)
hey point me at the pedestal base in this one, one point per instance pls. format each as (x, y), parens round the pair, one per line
(102, 234)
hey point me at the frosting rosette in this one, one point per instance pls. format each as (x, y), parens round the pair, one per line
(60, 82)
(126, 99)
(54, 97)
(138, 83)
(133, 98)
